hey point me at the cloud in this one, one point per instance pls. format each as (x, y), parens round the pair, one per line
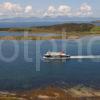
(85, 10)
(51, 11)
(11, 6)
(9, 9)
(28, 9)
(64, 10)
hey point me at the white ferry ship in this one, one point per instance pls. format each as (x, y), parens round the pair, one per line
(56, 55)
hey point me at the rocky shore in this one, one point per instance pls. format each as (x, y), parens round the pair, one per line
(53, 93)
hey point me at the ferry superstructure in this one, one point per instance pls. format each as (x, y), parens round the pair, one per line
(56, 55)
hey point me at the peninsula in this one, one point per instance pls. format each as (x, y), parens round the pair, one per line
(68, 30)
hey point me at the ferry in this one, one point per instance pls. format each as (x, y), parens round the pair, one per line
(56, 55)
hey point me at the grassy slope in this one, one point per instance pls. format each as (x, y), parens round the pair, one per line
(96, 28)
(54, 28)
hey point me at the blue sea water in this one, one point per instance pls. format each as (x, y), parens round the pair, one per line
(32, 24)
(3, 33)
(22, 74)
(25, 24)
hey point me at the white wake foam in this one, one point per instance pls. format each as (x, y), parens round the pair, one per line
(85, 57)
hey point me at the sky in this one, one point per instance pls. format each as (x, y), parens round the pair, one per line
(49, 8)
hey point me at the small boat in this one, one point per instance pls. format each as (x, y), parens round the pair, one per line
(56, 55)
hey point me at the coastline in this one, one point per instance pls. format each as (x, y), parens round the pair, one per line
(69, 37)
(62, 31)
(37, 37)
(53, 93)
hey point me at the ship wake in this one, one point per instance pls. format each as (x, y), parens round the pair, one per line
(85, 57)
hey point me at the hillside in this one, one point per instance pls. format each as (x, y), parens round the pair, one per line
(59, 27)
(69, 27)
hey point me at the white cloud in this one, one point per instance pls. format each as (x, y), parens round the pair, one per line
(51, 11)
(64, 10)
(28, 9)
(8, 9)
(85, 10)
(11, 6)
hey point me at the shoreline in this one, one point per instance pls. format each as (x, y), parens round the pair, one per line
(62, 31)
(70, 37)
(37, 37)
(53, 93)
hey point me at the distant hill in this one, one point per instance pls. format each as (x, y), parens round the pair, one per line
(46, 19)
(97, 21)
(69, 27)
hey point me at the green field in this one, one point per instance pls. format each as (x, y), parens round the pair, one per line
(96, 28)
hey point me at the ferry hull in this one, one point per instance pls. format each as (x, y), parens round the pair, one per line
(57, 58)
